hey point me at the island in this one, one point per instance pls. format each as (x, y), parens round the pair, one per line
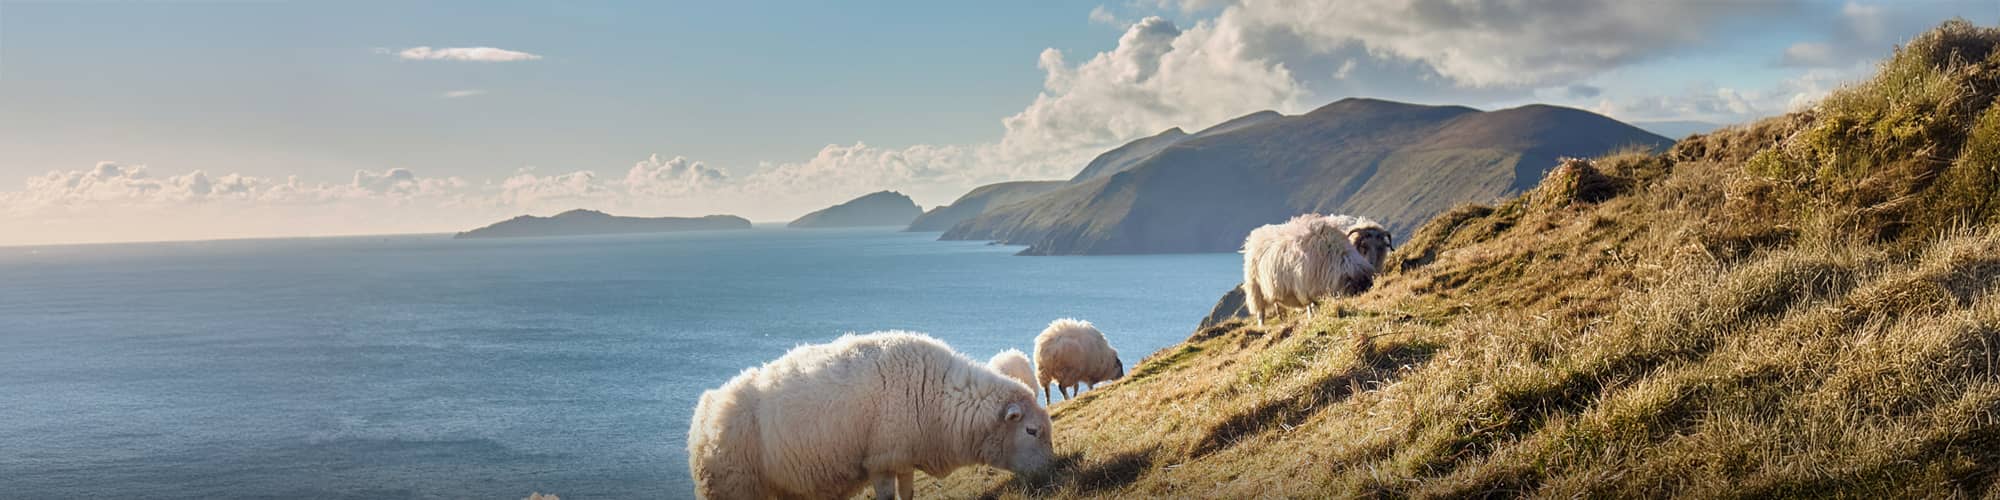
(881, 208)
(583, 222)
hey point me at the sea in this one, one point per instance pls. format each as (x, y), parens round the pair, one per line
(427, 367)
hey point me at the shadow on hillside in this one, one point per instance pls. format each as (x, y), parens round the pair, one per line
(1327, 390)
(1069, 472)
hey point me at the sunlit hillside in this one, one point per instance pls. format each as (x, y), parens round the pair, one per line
(1802, 306)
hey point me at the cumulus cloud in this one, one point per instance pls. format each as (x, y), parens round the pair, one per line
(475, 54)
(1527, 43)
(1865, 31)
(1721, 104)
(1101, 15)
(677, 176)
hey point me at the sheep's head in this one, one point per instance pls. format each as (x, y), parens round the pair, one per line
(1109, 369)
(1023, 439)
(1373, 242)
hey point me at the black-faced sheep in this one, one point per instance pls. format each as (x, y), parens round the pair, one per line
(824, 420)
(1014, 365)
(1294, 263)
(1368, 237)
(1071, 352)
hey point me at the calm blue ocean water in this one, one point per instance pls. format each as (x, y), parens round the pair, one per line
(423, 367)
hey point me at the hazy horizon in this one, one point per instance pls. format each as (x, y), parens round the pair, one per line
(125, 122)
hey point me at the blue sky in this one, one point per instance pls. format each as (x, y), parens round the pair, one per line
(181, 120)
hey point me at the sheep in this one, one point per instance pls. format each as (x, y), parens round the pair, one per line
(824, 420)
(1070, 352)
(1291, 264)
(1014, 365)
(1368, 237)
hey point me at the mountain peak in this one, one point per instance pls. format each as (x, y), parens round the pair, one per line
(880, 208)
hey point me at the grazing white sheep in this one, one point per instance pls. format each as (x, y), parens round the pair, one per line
(824, 420)
(1071, 352)
(1014, 365)
(1368, 237)
(1291, 264)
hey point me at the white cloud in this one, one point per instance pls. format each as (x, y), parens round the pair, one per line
(526, 188)
(1524, 43)
(476, 54)
(454, 94)
(1718, 104)
(1346, 68)
(677, 176)
(1808, 54)
(1101, 15)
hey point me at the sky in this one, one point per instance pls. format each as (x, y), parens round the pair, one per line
(176, 120)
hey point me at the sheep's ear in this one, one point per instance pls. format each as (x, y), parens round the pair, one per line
(1014, 412)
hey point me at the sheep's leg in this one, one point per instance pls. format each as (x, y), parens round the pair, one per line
(906, 484)
(885, 486)
(1309, 311)
(1046, 398)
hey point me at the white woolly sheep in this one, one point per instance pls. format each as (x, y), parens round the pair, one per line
(824, 420)
(1014, 365)
(1291, 264)
(1071, 352)
(1368, 237)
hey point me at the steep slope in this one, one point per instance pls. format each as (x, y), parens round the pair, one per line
(1399, 163)
(1807, 306)
(581, 222)
(880, 208)
(977, 201)
(1132, 153)
(1123, 157)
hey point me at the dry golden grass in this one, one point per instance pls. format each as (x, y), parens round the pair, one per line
(1800, 307)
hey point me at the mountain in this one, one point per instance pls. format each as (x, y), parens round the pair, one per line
(977, 201)
(581, 222)
(1398, 163)
(1807, 306)
(1124, 157)
(881, 208)
(1678, 129)
(1120, 158)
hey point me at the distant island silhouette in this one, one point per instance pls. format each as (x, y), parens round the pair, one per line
(880, 208)
(582, 222)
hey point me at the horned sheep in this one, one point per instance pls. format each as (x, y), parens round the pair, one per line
(1292, 264)
(824, 420)
(1368, 237)
(1071, 352)
(1014, 365)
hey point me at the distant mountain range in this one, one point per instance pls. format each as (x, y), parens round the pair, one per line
(582, 222)
(1124, 157)
(881, 208)
(1398, 163)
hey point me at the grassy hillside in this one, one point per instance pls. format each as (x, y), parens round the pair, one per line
(1123, 157)
(1399, 163)
(1800, 307)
